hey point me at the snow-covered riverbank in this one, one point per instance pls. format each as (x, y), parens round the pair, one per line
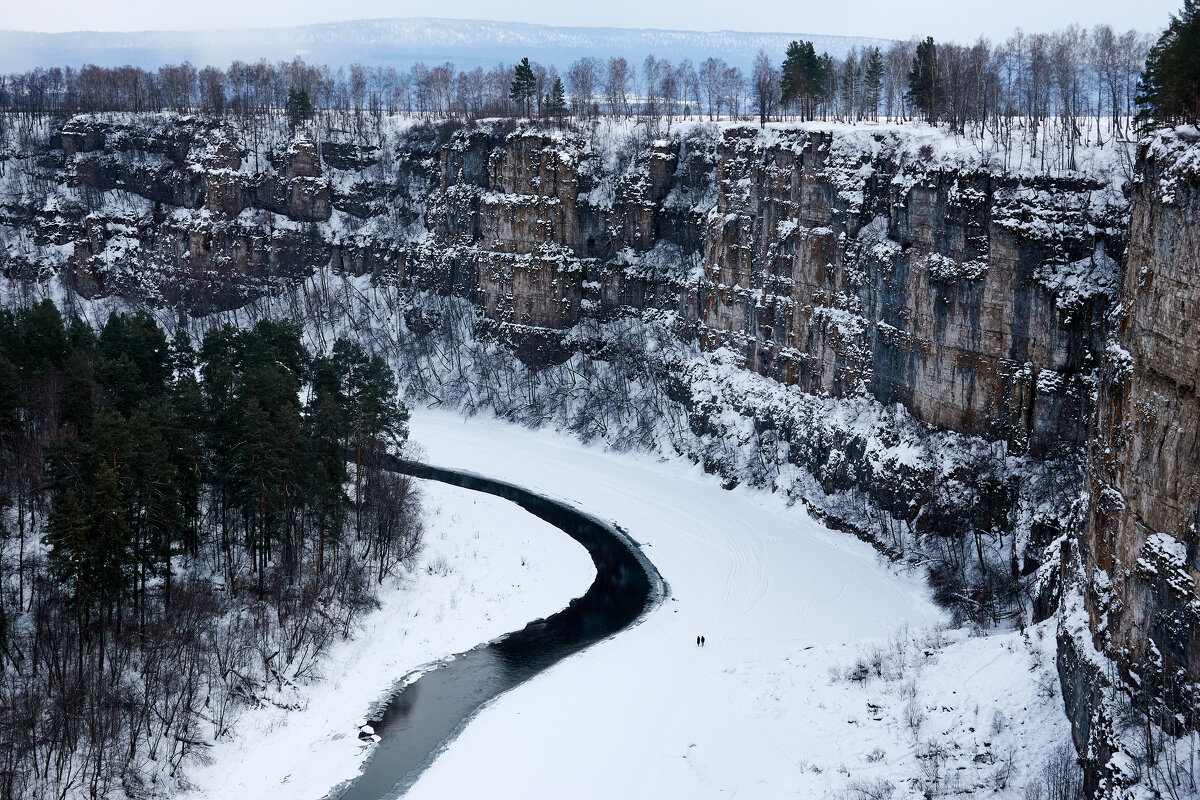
(488, 567)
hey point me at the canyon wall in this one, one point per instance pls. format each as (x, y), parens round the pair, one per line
(838, 263)
(842, 263)
(1139, 552)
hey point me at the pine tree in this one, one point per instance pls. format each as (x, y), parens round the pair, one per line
(524, 85)
(42, 342)
(791, 82)
(375, 419)
(153, 495)
(10, 404)
(1169, 89)
(185, 438)
(824, 80)
(66, 541)
(556, 102)
(257, 467)
(141, 343)
(803, 78)
(78, 386)
(108, 440)
(328, 497)
(108, 551)
(299, 108)
(922, 80)
(873, 82)
(220, 353)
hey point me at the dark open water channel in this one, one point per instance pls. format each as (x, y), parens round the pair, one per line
(420, 719)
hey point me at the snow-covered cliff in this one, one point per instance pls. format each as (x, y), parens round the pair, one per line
(933, 342)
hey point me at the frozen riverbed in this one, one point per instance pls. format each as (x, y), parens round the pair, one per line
(770, 706)
(488, 567)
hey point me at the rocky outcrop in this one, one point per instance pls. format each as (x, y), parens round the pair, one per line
(840, 271)
(844, 264)
(1140, 546)
(837, 267)
(157, 210)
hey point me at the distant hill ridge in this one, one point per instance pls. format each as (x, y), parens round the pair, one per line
(400, 43)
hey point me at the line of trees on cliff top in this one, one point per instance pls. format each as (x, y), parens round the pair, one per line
(1073, 73)
(1072, 76)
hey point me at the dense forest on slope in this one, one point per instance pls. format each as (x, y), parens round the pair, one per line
(194, 524)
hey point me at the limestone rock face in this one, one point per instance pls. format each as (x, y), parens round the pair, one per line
(309, 200)
(842, 268)
(226, 194)
(303, 161)
(842, 264)
(840, 271)
(1141, 548)
(917, 286)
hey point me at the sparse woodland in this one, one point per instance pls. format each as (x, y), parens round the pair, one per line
(1076, 85)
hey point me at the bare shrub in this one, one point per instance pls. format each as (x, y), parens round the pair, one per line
(439, 566)
(898, 654)
(1004, 772)
(876, 660)
(935, 638)
(1034, 653)
(878, 789)
(914, 717)
(1060, 777)
(932, 757)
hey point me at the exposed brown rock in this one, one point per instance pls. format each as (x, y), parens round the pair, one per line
(1141, 545)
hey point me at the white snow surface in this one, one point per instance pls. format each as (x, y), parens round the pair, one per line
(765, 709)
(818, 652)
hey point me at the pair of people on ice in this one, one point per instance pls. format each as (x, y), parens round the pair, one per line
(699, 641)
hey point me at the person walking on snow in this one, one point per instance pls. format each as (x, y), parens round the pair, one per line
(697, 641)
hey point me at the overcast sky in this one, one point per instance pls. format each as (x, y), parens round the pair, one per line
(960, 20)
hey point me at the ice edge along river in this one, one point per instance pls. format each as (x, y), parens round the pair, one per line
(427, 714)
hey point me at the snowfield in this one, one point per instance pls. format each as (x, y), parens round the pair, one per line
(826, 671)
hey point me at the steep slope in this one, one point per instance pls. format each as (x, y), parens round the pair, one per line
(1135, 632)
(877, 265)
